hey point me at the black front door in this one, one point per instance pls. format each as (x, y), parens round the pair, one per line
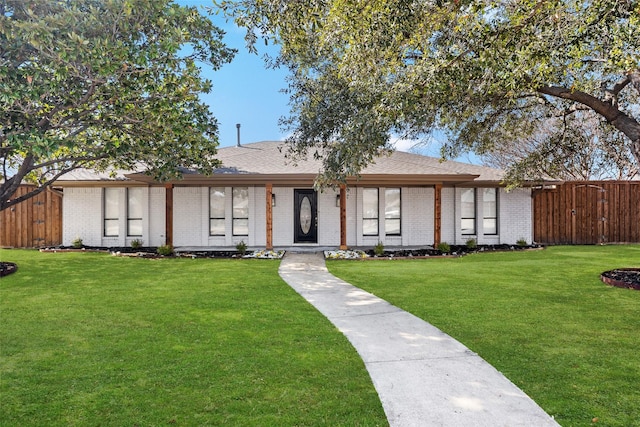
(305, 217)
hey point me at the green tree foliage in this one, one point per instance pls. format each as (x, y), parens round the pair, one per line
(101, 84)
(481, 71)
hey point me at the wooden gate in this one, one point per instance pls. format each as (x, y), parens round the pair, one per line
(588, 212)
(33, 223)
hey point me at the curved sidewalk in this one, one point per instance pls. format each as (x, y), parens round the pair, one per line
(423, 376)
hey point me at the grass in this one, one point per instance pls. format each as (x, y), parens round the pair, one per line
(90, 339)
(543, 318)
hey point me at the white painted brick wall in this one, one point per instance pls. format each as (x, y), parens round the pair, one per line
(283, 220)
(187, 216)
(156, 235)
(328, 219)
(352, 222)
(82, 216)
(515, 221)
(283, 217)
(191, 218)
(417, 216)
(448, 222)
(514, 217)
(258, 217)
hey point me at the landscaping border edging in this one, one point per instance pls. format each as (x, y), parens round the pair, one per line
(620, 283)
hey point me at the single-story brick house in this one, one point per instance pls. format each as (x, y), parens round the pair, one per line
(257, 197)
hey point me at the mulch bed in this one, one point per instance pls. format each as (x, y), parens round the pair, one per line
(622, 278)
(144, 252)
(456, 250)
(7, 268)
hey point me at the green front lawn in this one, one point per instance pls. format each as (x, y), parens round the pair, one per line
(90, 339)
(543, 318)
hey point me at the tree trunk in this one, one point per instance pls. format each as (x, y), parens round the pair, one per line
(9, 190)
(618, 119)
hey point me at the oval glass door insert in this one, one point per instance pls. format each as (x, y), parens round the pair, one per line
(305, 215)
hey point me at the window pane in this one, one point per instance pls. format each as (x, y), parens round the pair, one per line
(240, 203)
(216, 227)
(111, 209)
(134, 205)
(134, 227)
(370, 227)
(111, 212)
(392, 203)
(240, 227)
(305, 215)
(370, 203)
(111, 227)
(490, 210)
(468, 208)
(468, 226)
(489, 202)
(392, 226)
(216, 202)
(490, 226)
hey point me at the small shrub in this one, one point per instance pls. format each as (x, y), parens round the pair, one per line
(241, 247)
(136, 244)
(444, 247)
(378, 249)
(77, 243)
(165, 250)
(522, 242)
(472, 244)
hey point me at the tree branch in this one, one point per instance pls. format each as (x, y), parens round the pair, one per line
(10, 185)
(47, 118)
(621, 121)
(33, 193)
(634, 78)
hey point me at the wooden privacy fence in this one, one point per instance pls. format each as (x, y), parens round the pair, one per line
(33, 223)
(587, 212)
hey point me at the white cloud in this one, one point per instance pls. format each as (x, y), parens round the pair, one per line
(417, 146)
(406, 145)
(431, 148)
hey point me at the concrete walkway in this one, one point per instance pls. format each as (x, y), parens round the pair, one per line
(423, 376)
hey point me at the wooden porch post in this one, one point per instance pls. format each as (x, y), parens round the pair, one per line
(168, 215)
(343, 217)
(269, 192)
(437, 215)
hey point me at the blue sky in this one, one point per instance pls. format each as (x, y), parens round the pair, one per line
(246, 92)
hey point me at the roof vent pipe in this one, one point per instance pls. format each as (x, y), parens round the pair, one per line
(238, 127)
